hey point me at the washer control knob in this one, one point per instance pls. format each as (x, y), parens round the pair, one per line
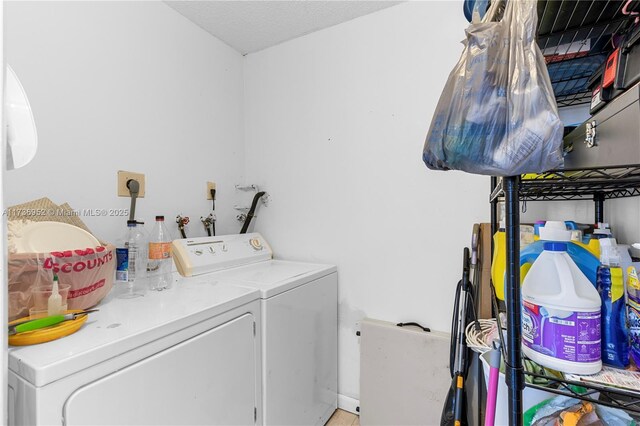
(212, 250)
(198, 252)
(224, 246)
(256, 244)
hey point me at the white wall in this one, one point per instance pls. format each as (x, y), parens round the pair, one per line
(335, 123)
(127, 86)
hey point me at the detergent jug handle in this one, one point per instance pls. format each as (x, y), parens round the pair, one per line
(564, 273)
(571, 225)
(528, 257)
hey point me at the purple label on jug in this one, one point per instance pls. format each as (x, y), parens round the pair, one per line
(565, 335)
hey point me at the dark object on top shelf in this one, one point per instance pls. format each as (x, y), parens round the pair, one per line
(601, 83)
(576, 38)
(629, 61)
(572, 76)
(610, 137)
(619, 73)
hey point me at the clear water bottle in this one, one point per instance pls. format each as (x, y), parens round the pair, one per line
(136, 245)
(159, 267)
(122, 259)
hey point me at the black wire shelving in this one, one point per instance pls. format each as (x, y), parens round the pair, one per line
(576, 37)
(577, 184)
(609, 396)
(592, 183)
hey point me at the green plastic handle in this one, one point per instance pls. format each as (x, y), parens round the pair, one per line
(40, 323)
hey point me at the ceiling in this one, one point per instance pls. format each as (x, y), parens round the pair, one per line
(249, 26)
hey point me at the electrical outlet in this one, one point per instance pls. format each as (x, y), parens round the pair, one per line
(123, 178)
(210, 186)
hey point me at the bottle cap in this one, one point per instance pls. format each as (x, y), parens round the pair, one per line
(161, 218)
(131, 223)
(609, 253)
(600, 231)
(555, 246)
(554, 231)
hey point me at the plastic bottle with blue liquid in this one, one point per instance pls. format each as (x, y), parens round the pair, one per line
(610, 283)
(633, 314)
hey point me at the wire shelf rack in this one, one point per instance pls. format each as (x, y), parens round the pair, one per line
(576, 37)
(578, 184)
(597, 184)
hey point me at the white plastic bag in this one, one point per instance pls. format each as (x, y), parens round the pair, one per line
(89, 273)
(497, 114)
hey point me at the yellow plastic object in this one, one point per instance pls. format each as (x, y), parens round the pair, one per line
(47, 334)
(499, 264)
(617, 283)
(530, 176)
(593, 247)
(534, 176)
(573, 417)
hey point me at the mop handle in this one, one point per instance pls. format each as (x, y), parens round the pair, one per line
(492, 391)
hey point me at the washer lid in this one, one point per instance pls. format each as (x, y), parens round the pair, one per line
(122, 325)
(276, 276)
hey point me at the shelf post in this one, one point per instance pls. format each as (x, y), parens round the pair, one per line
(494, 211)
(598, 199)
(514, 371)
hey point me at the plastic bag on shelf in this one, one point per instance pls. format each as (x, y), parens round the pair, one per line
(568, 410)
(497, 114)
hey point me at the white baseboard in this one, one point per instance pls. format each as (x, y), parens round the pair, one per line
(347, 403)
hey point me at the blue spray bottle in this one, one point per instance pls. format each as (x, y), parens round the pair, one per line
(614, 332)
(633, 314)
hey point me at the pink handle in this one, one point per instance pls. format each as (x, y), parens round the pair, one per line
(492, 396)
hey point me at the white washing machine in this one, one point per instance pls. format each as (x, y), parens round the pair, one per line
(189, 355)
(299, 328)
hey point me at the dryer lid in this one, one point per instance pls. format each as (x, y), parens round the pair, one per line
(276, 276)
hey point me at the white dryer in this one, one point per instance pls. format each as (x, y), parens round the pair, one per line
(299, 330)
(188, 355)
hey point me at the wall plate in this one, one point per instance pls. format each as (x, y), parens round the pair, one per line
(123, 178)
(210, 186)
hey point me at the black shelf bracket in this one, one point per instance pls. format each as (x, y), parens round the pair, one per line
(598, 199)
